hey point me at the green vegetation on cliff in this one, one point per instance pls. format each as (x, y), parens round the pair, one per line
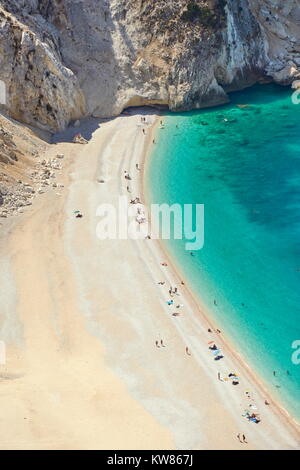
(205, 15)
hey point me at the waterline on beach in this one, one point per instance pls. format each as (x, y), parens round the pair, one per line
(241, 162)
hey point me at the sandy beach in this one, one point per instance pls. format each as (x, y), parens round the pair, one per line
(81, 317)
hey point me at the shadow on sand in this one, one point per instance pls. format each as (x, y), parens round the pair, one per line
(87, 128)
(90, 125)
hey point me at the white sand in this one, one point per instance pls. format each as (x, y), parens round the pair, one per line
(82, 316)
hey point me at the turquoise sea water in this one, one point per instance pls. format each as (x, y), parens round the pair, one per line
(243, 164)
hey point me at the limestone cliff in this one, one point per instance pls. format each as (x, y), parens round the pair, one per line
(61, 59)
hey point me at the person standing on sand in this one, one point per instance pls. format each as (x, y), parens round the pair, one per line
(157, 345)
(244, 439)
(162, 343)
(187, 351)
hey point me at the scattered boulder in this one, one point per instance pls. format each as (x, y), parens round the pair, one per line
(287, 75)
(78, 139)
(296, 85)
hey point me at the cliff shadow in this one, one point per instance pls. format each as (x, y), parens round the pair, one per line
(86, 129)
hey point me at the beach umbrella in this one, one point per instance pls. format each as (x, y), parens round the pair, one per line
(216, 352)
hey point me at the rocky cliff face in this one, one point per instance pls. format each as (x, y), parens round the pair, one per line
(40, 89)
(22, 174)
(62, 59)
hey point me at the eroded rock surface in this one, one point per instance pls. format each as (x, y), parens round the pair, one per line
(62, 59)
(26, 169)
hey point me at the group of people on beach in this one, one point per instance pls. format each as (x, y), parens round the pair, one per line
(251, 413)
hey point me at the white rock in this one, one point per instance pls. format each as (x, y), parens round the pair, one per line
(296, 85)
(137, 59)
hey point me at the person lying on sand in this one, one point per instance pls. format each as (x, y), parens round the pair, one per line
(218, 358)
(135, 201)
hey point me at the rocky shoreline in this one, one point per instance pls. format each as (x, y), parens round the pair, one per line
(25, 168)
(15, 197)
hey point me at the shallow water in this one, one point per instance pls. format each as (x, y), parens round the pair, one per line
(243, 164)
